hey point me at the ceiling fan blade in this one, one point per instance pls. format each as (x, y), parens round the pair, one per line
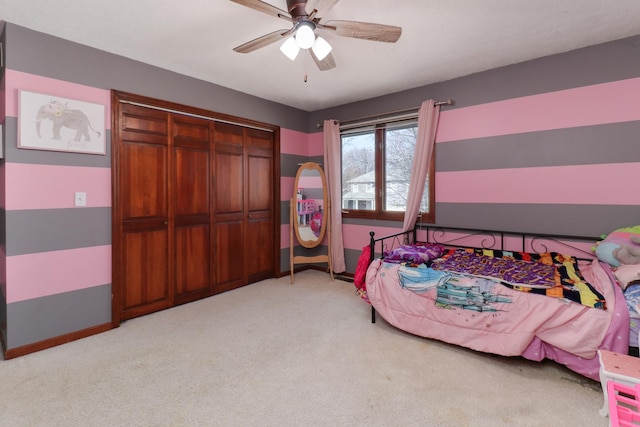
(321, 7)
(364, 30)
(262, 41)
(327, 62)
(263, 7)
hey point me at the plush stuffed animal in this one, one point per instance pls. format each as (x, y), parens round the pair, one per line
(628, 254)
(620, 247)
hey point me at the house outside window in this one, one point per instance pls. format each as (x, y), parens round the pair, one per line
(376, 169)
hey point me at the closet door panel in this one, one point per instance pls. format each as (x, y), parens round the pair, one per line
(259, 188)
(192, 262)
(192, 170)
(260, 184)
(191, 182)
(144, 168)
(145, 268)
(259, 249)
(229, 207)
(228, 197)
(191, 190)
(229, 256)
(143, 211)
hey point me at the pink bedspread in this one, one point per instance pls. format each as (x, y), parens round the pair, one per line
(511, 323)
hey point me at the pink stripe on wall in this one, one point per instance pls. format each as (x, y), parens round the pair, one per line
(293, 142)
(286, 188)
(284, 236)
(3, 272)
(57, 272)
(582, 106)
(583, 184)
(316, 144)
(16, 80)
(357, 236)
(52, 187)
(310, 181)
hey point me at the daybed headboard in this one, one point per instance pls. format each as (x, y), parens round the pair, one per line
(578, 246)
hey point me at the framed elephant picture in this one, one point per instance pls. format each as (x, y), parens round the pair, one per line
(60, 124)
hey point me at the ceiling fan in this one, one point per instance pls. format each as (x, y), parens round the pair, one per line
(306, 16)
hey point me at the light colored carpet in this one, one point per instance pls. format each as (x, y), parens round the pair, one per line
(277, 354)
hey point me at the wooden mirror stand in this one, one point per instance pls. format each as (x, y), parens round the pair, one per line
(309, 216)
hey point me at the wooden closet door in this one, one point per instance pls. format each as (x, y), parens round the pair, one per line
(191, 194)
(259, 238)
(229, 207)
(194, 202)
(244, 206)
(142, 232)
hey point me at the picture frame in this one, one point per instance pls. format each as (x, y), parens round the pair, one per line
(55, 123)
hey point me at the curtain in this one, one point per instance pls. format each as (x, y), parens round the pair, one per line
(333, 173)
(427, 125)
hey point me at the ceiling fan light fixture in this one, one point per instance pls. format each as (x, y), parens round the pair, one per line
(290, 48)
(305, 37)
(321, 48)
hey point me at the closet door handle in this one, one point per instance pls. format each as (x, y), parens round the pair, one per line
(249, 216)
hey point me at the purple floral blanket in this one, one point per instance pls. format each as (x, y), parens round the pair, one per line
(512, 271)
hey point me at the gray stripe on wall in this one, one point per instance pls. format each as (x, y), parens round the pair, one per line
(569, 220)
(41, 54)
(372, 223)
(314, 193)
(284, 212)
(3, 314)
(284, 259)
(317, 159)
(609, 143)
(351, 257)
(33, 231)
(289, 164)
(47, 317)
(56, 158)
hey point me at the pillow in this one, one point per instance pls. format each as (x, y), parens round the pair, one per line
(418, 253)
(627, 274)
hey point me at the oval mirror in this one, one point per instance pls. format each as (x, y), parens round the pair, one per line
(310, 200)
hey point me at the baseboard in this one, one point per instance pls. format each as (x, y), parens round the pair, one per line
(52, 342)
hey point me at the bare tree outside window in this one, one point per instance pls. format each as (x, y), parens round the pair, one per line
(400, 145)
(358, 171)
(379, 187)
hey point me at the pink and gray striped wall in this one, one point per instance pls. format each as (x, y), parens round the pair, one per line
(547, 146)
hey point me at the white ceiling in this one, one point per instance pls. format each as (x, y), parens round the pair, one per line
(441, 40)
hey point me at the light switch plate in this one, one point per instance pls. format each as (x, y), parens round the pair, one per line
(81, 198)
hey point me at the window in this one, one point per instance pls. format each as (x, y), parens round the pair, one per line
(376, 169)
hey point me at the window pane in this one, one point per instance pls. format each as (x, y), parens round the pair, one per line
(424, 205)
(400, 144)
(358, 171)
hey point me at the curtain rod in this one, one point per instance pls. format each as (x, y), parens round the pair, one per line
(373, 119)
(198, 116)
